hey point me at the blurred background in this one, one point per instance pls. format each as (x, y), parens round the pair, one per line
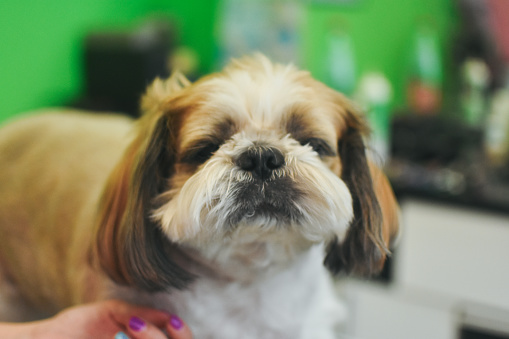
(431, 75)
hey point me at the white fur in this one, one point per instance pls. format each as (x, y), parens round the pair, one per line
(268, 308)
(298, 302)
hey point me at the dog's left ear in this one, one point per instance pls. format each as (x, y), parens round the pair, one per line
(129, 246)
(375, 222)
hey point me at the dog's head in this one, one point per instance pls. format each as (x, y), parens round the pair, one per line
(259, 148)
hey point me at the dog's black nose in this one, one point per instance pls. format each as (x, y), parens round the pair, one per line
(261, 161)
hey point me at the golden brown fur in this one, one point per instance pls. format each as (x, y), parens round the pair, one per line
(46, 214)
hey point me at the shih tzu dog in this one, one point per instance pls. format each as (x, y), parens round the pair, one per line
(225, 203)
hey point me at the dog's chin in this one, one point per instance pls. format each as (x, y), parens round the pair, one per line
(272, 204)
(266, 215)
(258, 245)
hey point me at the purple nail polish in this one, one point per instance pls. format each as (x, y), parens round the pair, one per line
(176, 322)
(136, 324)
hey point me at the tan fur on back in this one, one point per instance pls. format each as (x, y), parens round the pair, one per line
(57, 163)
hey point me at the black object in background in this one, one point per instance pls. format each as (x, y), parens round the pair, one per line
(473, 333)
(431, 139)
(119, 65)
(443, 160)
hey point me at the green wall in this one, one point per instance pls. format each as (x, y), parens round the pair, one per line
(195, 21)
(40, 53)
(382, 33)
(40, 41)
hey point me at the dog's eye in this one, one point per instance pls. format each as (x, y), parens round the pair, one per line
(200, 152)
(320, 146)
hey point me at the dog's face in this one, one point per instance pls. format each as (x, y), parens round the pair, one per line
(259, 151)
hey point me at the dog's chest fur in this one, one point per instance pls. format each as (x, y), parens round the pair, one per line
(298, 302)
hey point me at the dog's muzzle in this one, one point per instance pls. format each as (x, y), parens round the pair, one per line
(266, 194)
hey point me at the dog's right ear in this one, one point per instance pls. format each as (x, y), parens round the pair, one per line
(130, 247)
(375, 224)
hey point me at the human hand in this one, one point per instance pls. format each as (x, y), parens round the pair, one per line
(107, 318)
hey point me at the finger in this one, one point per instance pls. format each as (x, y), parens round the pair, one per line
(177, 329)
(141, 329)
(123, 312)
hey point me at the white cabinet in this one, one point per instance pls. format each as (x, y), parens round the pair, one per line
(450, 269)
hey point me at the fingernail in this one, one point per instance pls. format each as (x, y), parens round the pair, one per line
(176, 322)
(121, 335)
(136, 324)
